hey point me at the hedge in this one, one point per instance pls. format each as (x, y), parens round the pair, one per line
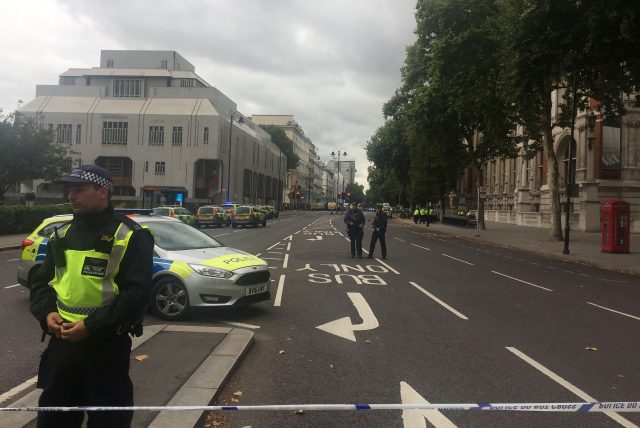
(16, 219)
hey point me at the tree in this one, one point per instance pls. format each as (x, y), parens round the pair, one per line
(29, 152)
(355, 191)
(553, 44)
(284, 143)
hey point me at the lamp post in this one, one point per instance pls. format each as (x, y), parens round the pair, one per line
(340, 153)
(569, 181)
(229, 167)
(311, 171)
(591, 122)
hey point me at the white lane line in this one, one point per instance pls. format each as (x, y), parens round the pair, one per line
(617, 312)
(258, 255)
(339, 233)
(275, 252)
(388, 267)
(278, 299)
(18, 389)
(274, 245)
(400, 239)
(241, 324)
(296, 232)
(215, 236)
(286, 261)
(574, 389)
(11, 286)
(13, 260)
(424, 248)
(417, 418)
(443, 304)
(451, 257)
(289, 246)
(519, 280)
(271, 258)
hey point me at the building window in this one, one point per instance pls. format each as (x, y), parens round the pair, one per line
(67, 80)
(163, 64)
(64, 133)
(160, 168)
(176, 136)
(206, 136)
(187, 83)
(146, 166)
(114, 132)
(109, 63)
(156, 135)
(78, 133)
(79, 162)
(129, 88)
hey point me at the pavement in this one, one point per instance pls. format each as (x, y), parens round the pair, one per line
(188, 365)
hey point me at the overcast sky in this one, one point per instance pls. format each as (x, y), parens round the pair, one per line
(330, 63)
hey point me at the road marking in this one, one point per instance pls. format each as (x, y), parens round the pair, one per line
(451, 257)
(258, 255)
(343, 327)
(286, 261)
(519, 280)
(278, 300)
(617, 312)
(271, 258)
(289, 246)
(11, 286)
(424, 248)
(274, 245)
(215, 236)
(288, 238)
(388, 267)
(443, 304)
(316, 238)
(400, 239)
(18, 389)
(416, 418)
(574, 389)
(13, 260)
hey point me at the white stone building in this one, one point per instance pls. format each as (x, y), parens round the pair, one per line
(166, 135)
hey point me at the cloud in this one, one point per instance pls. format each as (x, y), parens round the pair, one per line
(332, 64)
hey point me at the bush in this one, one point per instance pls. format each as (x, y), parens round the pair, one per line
(23, 219)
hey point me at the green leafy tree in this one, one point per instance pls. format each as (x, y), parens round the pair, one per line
(29, 152)
(284, 143)
(596, 54)
(357, 192)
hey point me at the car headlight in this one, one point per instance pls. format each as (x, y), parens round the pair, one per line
(211, 271)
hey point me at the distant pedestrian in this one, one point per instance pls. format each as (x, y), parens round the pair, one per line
(89, 294)
(379, 230)
(423, 215)
(416, 215)
(354, 219)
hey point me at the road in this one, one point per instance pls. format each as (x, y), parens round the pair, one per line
(442, 319)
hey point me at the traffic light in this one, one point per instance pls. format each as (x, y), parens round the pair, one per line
(339, 195)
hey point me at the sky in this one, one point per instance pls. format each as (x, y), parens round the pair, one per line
(330, 63)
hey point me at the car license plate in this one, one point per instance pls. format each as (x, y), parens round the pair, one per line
(256, 290)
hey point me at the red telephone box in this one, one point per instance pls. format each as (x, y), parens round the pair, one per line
(616, 227)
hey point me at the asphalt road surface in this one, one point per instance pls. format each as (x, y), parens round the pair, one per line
(442, 320)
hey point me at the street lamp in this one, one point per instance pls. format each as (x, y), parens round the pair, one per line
(340, 153)
(241, 120)
(569, 184)
(591, 121)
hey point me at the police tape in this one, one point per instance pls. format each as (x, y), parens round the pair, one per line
(608, 406)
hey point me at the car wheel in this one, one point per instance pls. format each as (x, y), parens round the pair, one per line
(234, 225)
(169, 299)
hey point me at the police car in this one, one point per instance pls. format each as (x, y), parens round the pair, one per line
(190, 268)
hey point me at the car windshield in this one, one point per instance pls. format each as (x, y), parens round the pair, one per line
(243, 210)
(174, 236)
(205, 210)
(161, 211)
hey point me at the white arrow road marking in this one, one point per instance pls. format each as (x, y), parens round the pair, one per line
(417, 418)
(343, 328)
(317, 238)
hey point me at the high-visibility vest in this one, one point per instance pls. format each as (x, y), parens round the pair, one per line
(416, 212)
(423, 211)
(87, 282)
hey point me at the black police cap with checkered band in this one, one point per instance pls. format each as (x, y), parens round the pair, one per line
(90, 174)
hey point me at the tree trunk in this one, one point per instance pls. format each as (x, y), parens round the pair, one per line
(553, 171)
(477, 172)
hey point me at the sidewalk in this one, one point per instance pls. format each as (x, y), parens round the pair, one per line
(584, 247)
(173, 365)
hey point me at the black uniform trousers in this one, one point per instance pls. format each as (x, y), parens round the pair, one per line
(383, 244)
(94, 372)
(355, 237)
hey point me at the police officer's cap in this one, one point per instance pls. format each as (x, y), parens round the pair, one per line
(90, 174)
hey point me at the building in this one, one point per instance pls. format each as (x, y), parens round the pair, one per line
(347, 173)
(605, 164)
(165, 134)
(304, 179)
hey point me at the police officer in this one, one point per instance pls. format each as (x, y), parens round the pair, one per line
(379, 230)
(354, 219)
(416, 215)
(89, 294)
(423, 215)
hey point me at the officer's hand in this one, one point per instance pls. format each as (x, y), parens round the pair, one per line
(54, 323)
(74, 331)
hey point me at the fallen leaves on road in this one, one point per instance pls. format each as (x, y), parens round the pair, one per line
(142, 357)
(331, 366)
(238, 393)
(591, 348)
(299, 412)
(281, 351)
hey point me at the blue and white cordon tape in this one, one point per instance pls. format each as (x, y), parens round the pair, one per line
(608, 406)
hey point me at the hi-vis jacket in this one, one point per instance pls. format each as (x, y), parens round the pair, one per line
(95, 270)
